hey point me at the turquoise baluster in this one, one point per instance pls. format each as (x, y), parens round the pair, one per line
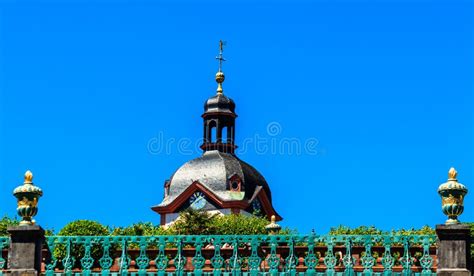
(273, 260)
(124, 260)
(368, 260)
(235, 261)
(406, 260)
(142, 260)
(217, 261)
(68, 260)
(87, 261)
(311, 261)
(105, 261)
(330, 260)
(426, 261)
(179, 260)
(254, 260)
(198, 260)
(51, 243)
(348, 260)
(291, 261)
(387, 259)
(161, 260)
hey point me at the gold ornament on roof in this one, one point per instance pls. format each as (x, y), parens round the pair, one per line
(220, 77)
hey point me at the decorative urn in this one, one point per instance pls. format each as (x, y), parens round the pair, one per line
(27, 196)
(273, 228)
(452, 197)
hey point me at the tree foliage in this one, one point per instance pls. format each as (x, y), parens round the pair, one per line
(239, 225)
(371, 230)
(140, 229)
(5, 222)
(361, 230)
(193, 222)
(81, 228)
(84, 228)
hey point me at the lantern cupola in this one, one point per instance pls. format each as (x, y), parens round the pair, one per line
(219, 116)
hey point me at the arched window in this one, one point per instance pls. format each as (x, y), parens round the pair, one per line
(213, 134)
(167, 188)
(211, 128)
(224, 135)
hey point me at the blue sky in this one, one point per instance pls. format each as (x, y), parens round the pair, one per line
(384, 87)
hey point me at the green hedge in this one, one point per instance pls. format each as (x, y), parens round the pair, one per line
(140, 229)
(81, 228)
(5, 222)
(201, 223)
(371, 230)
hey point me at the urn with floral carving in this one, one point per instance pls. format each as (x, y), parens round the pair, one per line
(27, 198)
(452, 197)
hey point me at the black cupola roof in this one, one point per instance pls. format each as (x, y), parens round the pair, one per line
(219, 103)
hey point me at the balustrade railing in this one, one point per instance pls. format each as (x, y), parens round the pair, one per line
(241, 255)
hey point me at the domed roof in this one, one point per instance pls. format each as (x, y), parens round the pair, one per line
(214, 170)
(219, 103)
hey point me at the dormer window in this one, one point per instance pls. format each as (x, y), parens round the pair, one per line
(235, 184)
(167, 188)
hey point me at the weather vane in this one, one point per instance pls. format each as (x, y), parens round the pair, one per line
(220, 56)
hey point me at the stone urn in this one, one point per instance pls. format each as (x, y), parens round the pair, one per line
(27, 198)
(452, 197)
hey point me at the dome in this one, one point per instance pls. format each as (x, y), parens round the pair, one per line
(219, 103)
(215, 170)
(218, 180)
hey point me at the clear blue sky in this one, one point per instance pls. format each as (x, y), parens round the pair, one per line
(386, 88)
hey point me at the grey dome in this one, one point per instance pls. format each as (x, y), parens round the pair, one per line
(213, 170)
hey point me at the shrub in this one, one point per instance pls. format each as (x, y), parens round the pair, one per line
(140, 229)
(239, 225)
(361, 230)
(425, 230)
(371, 230)
(5, 222)
(193, 222)
(81, 228)
(84, 228)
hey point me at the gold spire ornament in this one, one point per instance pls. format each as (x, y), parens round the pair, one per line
(27, 196)
(220, 77)
(452, 197)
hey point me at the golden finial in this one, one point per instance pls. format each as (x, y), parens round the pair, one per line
(28, 177)
(273, 228)
(220, 75)
(452, 174)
